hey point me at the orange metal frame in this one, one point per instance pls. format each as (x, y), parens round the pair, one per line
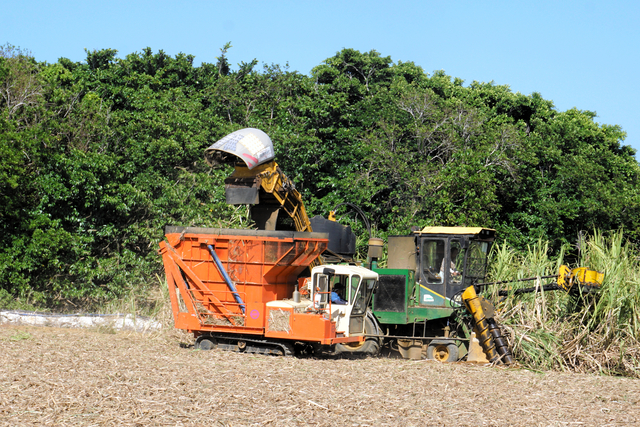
(263, 269)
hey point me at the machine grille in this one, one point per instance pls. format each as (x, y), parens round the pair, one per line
(391, 293)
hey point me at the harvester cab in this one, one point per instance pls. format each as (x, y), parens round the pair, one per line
(450, 259)
(439, 263)
(429, 280)
(345, 292)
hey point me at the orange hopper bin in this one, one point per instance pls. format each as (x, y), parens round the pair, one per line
(261, 266)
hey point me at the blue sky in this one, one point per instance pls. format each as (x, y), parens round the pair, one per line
(583, 54)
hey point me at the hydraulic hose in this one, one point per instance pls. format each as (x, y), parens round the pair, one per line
(227, 279)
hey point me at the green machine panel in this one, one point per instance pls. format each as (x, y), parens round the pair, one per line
(398, 299)
(391, 300)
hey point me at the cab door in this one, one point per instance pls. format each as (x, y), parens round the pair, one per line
(456, 262)
(320, 291)
(360, 293)
(433, 274)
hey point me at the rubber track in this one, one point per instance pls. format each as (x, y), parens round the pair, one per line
(253, 346)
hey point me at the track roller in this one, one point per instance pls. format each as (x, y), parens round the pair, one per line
(206, 343)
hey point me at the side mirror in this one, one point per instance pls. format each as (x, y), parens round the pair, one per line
(464, 243)
(328, 271)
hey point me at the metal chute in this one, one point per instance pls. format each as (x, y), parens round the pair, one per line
(252, 146)
(257, 181)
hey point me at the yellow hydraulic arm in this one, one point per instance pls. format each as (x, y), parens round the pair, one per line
(494, 345)
(581, 279)
(277, 190)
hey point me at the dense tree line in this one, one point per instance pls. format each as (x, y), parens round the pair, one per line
(97, 156)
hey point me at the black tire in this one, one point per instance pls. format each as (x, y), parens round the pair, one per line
(206, 344)
(442, 351)
(370, 347)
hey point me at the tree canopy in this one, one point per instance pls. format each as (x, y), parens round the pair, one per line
(99, 155)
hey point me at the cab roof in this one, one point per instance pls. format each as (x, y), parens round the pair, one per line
(482, 232)
(365, 273)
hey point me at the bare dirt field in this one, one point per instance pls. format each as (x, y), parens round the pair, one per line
(71, 377)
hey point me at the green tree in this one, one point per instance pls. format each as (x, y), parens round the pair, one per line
(98, 156)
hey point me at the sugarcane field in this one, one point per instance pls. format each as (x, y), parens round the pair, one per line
(270, 325)
(88, 377)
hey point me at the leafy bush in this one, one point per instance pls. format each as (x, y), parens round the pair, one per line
(99, 156)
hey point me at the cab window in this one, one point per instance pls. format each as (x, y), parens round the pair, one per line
(457, 260)
(357, 296)
(353, 287)
(321, 287)
(477, 260)
(432, 259)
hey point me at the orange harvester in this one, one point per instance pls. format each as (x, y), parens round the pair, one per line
(228, 282)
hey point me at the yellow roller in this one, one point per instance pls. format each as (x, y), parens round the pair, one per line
(472, 301)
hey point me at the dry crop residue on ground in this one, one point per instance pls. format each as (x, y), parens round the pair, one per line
(72, 377)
